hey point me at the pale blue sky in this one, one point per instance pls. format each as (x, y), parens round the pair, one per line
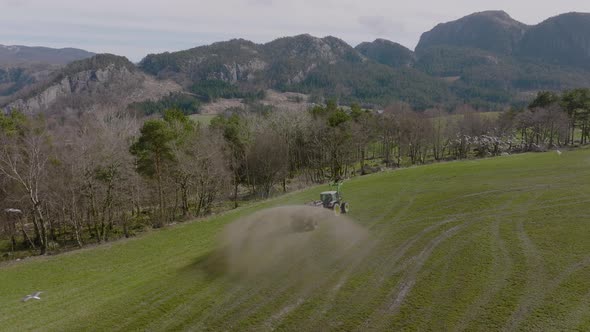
(135, 28)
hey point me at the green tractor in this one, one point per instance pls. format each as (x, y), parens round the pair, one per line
(333, 200)
(329, 200)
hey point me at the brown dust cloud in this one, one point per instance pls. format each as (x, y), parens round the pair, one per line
(305, 243)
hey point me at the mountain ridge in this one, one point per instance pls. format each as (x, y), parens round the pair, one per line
(387, 52)
(487, 59)
(19, 54)
(104, 79)
(493, 31)
(563, 39)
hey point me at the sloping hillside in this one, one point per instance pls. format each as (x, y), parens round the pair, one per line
(22, 66)
(493, 31)
(492, 58)
(387, 52)
(281, 61)
(101, 80)
(23, 55)
(321, 66)
(14, 79)
(491, 244)
(562, 40)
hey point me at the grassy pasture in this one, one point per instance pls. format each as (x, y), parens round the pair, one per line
(500, 243)
(203, 119)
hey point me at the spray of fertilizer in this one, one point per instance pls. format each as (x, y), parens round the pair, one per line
(278, 240)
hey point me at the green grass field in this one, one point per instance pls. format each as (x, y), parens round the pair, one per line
(203, 119)
(494, 244)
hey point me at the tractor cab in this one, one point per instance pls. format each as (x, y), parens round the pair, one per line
(328, 198)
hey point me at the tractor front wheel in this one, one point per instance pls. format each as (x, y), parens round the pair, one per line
(337, 209)
(345, 208)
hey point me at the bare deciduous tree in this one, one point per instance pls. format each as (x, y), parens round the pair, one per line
(24, 159)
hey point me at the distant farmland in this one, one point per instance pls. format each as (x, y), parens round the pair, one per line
(203, 119)
(492, 244)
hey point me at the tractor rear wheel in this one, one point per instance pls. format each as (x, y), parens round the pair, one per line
(345, 208)
(337, 209)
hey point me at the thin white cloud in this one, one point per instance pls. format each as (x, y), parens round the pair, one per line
(380, 25)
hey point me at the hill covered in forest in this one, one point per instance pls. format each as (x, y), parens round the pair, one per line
(486, 59)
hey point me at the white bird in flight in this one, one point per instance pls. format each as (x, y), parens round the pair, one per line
(32, 296)
(558, 152)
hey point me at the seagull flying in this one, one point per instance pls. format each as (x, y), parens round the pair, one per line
(558, 152)
(32, 296)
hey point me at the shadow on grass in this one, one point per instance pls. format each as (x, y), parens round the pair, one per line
(212, 265)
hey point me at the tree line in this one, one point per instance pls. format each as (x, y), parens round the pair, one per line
(81, 178)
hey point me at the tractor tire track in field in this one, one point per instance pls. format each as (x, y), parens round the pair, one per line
(408, 280)
(277, 317)
(455, 201)
(160, 305)
(235, 300)
(332, 283)
(176, 319)
(401, 251)
(309, 292)
(504, 265)
(551, 287)
(388, 266)
(141, 291)
(446, 203)
(242, 308)
(576, 316)
(536, 273)
(391, 262)
(288, 293)
(200, 321)
(343, 278)
(396, 216)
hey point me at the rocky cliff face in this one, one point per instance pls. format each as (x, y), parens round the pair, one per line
(280, 62)
(307, 47)
(232, 61)
(22, 66)
(13, 79)
(113, 81)
(292, 59)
